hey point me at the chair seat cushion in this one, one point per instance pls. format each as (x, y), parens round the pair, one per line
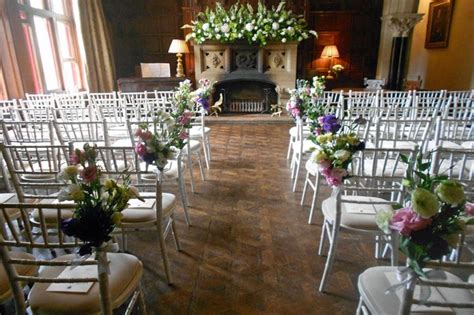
(124, 278)
(399, 144)
(170, 171)
(196, 131)
(308, 145)
(194, 145)
(149, 215)
(373, 283)
(359, 221)
(383, 168)
(294, 131)
(312, 167)
(123, 142)
(50, 215)
(22, 270)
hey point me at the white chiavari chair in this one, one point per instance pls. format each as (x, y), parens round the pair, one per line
(428, 104)
(28, 112)
(395, 104)
(165, 100)
(452, 133)
(199, 131)
(5, 109)
(174, 171)
(449, 294)
(301, 148)
(73, 107)
(363, 104)
(375, 187)
(313, 178)
(136, 105)
(40, 100)
(107, 106)
(81, 132)
(402, 133)
(461, 107)
(35, 133)
(157, 213)
(114, 277)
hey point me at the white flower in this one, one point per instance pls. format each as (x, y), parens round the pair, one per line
(281, 20)
(205, 26)
(249, 27)
(275, 26)
(283, 40)
(216, 29)
(290, 30)
(218, 36)
(225, 28)
(342, 155)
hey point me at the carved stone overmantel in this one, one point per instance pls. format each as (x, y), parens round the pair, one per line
(275, 62)
(402, 23)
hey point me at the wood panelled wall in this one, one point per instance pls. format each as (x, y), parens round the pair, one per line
(143, 30)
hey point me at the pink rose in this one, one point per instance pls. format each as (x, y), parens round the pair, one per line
(406, 221)
(326, 172)
(138, 133)
(324, 165)
(140, 148)
(338, 172)
(183, 135)
(89, 174)
(334, 181)
(147, 135)
(185, 118)
(295, 111)
(469, 209)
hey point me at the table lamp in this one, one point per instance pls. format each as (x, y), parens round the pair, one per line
(330, 51)
(179, 48)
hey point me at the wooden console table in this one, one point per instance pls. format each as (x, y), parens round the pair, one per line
(148, 84)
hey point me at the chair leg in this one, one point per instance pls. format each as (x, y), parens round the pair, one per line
(175, 235)
(322, 240)
(330, 258)
(303, 195)
(289, 148)
(313, 201)
(295, 182)
(141, 301)
(359, 306)
(164, 254)
(201, 168)
(208, 146)
(206, 156)
(191, 175)
(184, 200)
(124, 239)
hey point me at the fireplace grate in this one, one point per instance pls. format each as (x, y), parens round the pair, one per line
(246, 106)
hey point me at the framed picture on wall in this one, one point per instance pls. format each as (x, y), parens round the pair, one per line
(439, 21)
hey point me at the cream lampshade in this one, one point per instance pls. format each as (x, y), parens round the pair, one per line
(330, 51)
(179, 47)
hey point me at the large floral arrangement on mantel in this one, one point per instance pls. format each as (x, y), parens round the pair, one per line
(243, 22)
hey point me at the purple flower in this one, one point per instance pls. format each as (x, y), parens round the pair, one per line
(204, 102)
(330, 123)
(70, 226)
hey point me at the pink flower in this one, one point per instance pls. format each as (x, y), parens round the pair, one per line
(183, 135)
(204, 82)
(295, 111)
(138, 133)
(321, 120)
(185, 118)
(324, 165)
(147, 135)
(334, 181)
(76, 157)
(317, 131)
(140, 148)
(406, 221)
(334, 176)
(469, 209)
(89, 174)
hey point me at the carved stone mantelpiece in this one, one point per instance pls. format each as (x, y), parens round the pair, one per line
(275, 62)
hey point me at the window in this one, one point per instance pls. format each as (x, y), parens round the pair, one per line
(49, 49)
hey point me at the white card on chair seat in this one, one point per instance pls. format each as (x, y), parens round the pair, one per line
(138, 204)
(359, 208)
(75, 272)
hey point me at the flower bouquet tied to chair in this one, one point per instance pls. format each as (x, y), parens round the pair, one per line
(99, 201)
(435, 214)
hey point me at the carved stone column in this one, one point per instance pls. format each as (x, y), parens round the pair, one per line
(401, 24)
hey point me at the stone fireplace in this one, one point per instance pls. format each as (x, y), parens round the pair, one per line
(247, 76)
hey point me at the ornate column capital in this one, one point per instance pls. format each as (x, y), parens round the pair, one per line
(402, 23)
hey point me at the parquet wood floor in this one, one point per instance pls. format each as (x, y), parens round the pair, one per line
(250, 250)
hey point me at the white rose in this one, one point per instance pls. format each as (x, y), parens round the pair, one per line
(290, 30)
(342, 155)
(205, 26)
(225, 28)
(216, 29)
(249, 27)
(275, 26)
(283, 40)
(218, 36)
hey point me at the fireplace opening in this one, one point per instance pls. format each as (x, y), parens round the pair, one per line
(246, 96)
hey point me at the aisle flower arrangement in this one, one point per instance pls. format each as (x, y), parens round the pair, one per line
(435, 215)
(203, 93)
(244, 22)
(156, 141)
(182, 96)
(303, 99)
(336, 146)
(99, 201)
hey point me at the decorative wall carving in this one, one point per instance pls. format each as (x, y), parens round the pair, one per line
(214, 60)
(275, 60)
(244, 59)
